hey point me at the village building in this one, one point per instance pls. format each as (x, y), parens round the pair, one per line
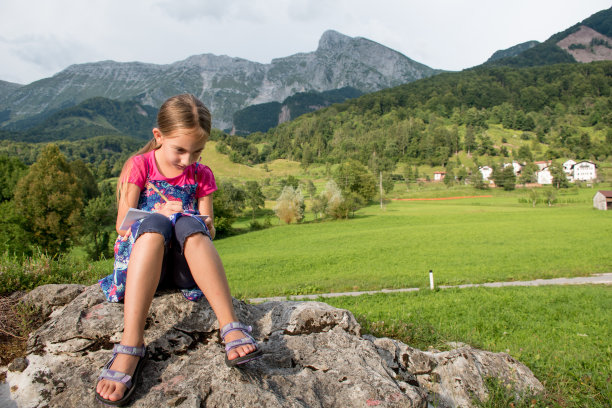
(568, 167)
(516, 167)
(585, 171)
(603, 200)
(486, 172)
(439, 175)
(543, 164)
(544, 176)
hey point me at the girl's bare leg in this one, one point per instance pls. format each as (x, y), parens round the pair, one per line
(208, 272)
(143, 276)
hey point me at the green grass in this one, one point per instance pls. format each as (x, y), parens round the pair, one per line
(562, 333)
(463, 241)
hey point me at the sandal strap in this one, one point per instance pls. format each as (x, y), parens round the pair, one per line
(117, 376)
(233, 326)
(132, 351)
(241, 342)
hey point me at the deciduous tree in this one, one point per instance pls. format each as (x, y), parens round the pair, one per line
(49, 200)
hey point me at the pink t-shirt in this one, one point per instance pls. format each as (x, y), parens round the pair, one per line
(140, 164)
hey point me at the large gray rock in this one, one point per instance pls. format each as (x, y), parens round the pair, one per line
(314, 357)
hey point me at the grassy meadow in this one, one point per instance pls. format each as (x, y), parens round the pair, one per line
(471, 240)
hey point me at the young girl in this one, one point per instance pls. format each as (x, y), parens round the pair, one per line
(171, 247)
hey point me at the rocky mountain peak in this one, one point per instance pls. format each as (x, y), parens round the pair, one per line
(331, 40)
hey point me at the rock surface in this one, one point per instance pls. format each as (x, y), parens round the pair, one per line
(314, 357)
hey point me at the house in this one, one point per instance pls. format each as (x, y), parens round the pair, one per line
(542, 164)
(544, 176)
(516, 167)
(486, 172)
(439, 175)
(602, 200)
(585, 170)
(568, 167)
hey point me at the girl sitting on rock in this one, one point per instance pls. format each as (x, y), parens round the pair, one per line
(171, 247)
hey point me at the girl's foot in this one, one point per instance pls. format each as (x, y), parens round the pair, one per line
(113, 390)
(240, 346)
(240, 351)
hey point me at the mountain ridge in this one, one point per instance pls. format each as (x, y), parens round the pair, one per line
(225, 84)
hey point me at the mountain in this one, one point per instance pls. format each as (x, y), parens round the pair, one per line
(93, 117)
(223, 83)
(261, 117)
(586, 41)
(512, 51)
(8, 87)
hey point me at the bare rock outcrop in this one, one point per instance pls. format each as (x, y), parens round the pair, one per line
(314, 357)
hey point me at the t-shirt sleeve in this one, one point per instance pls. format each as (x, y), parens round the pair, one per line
(206, 181)
(137, 171)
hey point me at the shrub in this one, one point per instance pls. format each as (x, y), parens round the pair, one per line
(290, 205)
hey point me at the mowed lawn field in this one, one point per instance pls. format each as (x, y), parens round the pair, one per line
(470, 240)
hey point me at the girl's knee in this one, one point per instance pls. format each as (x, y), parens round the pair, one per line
(156, 223)
(189, 228)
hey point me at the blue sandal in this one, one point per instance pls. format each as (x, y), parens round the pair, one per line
(248, 339)
(125, 379)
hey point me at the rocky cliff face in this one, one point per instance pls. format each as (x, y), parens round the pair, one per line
(225, 84)
(314, 357)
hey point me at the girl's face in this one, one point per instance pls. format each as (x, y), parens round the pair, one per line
(179, 149)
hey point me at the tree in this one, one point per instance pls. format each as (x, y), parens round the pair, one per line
(559, 177)
(86, 180)
(352, 176)
(477, 180)
(228, 203)
(99, 217)
(449, 177)
(334, 201)
(290, 205)
(528, 174)
(49, 200)
(11, 170)
(551, 196)
(504, 177)
(254, 197)
(533, 197)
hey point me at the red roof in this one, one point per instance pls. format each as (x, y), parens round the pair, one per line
(606, 193)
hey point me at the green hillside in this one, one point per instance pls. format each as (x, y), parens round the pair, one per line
(91, 118)
(559, 111)
(261, 117)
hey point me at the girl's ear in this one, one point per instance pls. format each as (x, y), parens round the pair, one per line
(157, 135)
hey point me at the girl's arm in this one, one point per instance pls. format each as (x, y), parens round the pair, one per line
(205, 207)
(129, 199)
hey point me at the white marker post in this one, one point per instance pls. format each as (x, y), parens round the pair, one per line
(431, 282)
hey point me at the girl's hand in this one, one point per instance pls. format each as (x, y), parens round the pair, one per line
(211, 227)
(171, 207)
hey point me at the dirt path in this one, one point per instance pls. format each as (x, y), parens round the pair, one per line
(598, 279)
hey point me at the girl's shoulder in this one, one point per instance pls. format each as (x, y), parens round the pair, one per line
(205, 180)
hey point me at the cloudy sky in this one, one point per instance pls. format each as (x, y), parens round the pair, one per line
(39, 38)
